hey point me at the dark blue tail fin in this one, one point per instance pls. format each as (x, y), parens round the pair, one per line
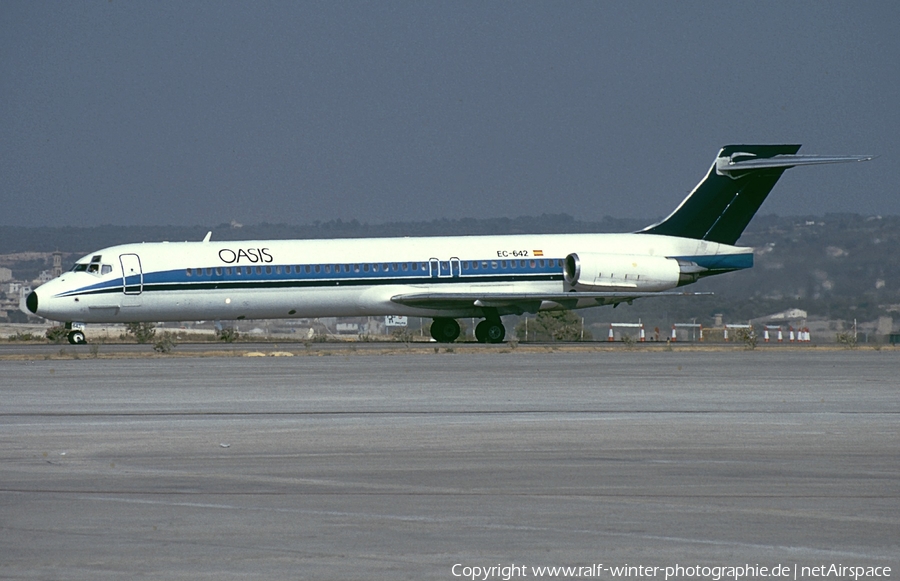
(722, 205)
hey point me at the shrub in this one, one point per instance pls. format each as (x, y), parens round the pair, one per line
(142, 332)
(227, 334)
(57, 334)
(165, 343)
(847, 339)
(747, 337)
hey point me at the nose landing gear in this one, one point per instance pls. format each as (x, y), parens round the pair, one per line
(76, 333)
(76, 338)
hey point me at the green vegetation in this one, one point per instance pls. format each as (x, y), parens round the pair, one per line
(142, 332)
(747, 337)
(552, 326)
(227, 334)
(57, 334)
(164, 343)
(847, 339)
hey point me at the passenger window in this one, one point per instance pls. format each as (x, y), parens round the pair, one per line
(355, 268)
(188, 272)
(218, 271)
(227, 270)
(306, 268)
(405, 266)
(494, 264)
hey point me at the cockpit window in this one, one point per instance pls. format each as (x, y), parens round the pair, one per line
(93, 268)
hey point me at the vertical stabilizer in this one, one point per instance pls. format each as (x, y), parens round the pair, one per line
(741, 177)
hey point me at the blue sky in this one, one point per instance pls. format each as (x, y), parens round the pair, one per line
(154, 113)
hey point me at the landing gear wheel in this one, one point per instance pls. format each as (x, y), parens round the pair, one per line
(490, 332)
(76, 338)
(444, 330)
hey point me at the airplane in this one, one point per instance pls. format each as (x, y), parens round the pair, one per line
(441, 277)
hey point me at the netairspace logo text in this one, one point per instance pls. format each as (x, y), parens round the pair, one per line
(713, 573)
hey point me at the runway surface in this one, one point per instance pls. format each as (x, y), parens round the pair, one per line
(402, 466)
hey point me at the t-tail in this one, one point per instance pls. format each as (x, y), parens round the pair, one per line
(741, 177)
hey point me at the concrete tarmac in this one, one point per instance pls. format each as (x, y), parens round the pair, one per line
(403, 466)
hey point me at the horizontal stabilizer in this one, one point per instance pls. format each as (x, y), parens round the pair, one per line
(725, 165)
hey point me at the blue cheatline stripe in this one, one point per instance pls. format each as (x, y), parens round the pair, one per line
(227, 278)
(721, 261)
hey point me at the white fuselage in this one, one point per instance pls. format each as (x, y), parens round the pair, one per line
(347, 277)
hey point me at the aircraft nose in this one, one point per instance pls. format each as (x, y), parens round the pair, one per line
(32, 302)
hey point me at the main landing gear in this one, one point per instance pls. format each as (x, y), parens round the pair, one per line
(445, 330)
(489, 331)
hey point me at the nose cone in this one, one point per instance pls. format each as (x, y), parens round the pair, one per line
(32, 302)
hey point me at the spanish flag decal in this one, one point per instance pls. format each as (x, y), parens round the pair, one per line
(537, 252)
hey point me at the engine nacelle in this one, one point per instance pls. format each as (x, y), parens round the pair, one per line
(621, 272)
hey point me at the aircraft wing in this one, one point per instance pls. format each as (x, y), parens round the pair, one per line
(569, 300)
